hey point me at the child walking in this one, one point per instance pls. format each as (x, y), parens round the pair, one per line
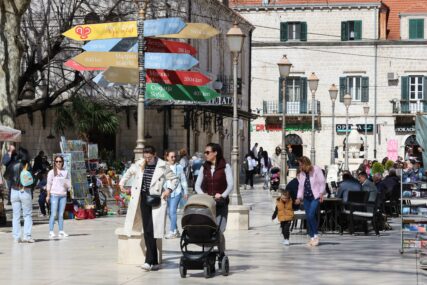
(284, 213)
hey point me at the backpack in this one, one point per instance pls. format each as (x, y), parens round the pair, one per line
(25, 177)
(245, 165)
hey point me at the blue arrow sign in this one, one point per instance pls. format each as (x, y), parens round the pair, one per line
(163, 26)
(170, 61)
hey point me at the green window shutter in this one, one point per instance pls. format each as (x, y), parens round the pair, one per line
(344, 31)
(280, 95)
(283, 31)
(425, 88)
(365, 89)
(343, 88)
(412, 29)
(303, 97)
(405, 88)
(357, 30)
(303, 35)
(420, 29)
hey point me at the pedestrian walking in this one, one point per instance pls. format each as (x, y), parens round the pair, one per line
(8, 161)
(184, 162)
(311, 189)
(285, 214)
(149, 176)
(250, 168)
(58, 184)
(21, 196)
(265, 163)
(180, 192)
(276, 157)
(43, 194)
(216, 180)
(196, 163)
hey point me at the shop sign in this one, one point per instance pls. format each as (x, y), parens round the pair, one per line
(405, 129)
(278, 127)
(340, 128)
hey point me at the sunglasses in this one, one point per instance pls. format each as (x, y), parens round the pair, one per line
(59, 161)
(208, 152)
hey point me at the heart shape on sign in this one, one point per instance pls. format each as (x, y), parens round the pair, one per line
(83, 32)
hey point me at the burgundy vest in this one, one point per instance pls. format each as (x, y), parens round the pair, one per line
(216, 183)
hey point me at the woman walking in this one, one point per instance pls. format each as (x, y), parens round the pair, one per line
(265, 162)
(181, 191)
(58, 183)
(250, 169)
(216, 180)
(311, 188)
(149, 175)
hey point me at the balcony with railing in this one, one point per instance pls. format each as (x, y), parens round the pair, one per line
(292, 108)
(409, 106)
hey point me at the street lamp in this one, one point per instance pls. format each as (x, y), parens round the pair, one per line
(284, 70)
(313, 82)
(333, 92)
(347, 103)
(365, 147)
(235, 39)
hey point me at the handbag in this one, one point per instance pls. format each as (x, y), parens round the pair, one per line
(152, 200)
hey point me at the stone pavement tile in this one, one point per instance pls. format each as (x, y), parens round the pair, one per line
(89, 256)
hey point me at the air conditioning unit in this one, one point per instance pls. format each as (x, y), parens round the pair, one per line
(391, 76)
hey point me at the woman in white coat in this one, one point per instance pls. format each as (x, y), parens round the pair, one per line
(149, 175)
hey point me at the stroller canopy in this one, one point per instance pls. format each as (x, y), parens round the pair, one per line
(200, 210)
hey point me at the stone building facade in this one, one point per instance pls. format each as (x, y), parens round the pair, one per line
(353, 45)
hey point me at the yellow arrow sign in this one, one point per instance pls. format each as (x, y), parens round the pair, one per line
(103, 31)
(106, 59)
(194, 31)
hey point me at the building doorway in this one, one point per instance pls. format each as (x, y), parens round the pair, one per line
(412, 149)
(296, 143)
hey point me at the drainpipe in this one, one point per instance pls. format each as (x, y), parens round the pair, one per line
(375, 82)
(249, 90)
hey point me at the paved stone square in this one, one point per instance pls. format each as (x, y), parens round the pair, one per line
(89, 256)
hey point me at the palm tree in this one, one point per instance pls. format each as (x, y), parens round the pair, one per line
(85, 116)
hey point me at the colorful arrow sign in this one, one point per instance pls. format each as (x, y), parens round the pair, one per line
(194, 31)
(130, 44)
(74, 65)
(123, 75)
(125, 29)
(179, 92)
(171, 61)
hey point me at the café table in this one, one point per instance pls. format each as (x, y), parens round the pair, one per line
(331, 207)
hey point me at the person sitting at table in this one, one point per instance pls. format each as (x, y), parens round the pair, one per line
(367, 185)
(349, 183)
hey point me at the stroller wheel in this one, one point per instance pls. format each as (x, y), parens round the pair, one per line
(225, 266)
(182, 271)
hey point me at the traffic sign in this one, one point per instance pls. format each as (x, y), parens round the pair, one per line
(74, 65)
(179, 92)
(194, 31)
(130, 44)
(125, 29)
(123, 75)
(171, 61)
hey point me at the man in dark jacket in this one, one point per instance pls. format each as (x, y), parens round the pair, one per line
(8, 160)
(367, 185)
(349, 183)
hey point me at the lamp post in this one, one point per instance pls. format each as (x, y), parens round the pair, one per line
(284, 70)
(347, 103)
(365, 147)
(313, 82)
(140, 140)
(235, 39)
(333, 92)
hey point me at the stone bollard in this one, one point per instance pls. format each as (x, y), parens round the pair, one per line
(238, 217)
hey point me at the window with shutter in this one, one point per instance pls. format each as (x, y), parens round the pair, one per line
(365, 89)
(303, 36)
(343, 88)
(404, 104)
(344, 31)
(283, 31)
(416, 29)
(303, 98)
(351, 30)
(357, 30)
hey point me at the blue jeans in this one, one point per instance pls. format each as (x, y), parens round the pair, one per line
(57, 207)
(310, 207)
(21, 200)
(173, 203)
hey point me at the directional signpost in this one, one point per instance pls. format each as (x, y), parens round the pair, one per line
(194, 31)
(169, 61)
(128, 29)
(74, 65)
(179, 92)
(123, 75)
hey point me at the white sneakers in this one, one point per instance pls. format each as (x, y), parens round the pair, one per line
(61, 234)
(172, 235)
(286, 242)
(149, 267)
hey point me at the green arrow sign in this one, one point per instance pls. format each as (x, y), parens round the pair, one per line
(179, 92)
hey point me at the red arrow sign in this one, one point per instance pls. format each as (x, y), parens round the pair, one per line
(76, 66)
(189, 78)
(158, 45)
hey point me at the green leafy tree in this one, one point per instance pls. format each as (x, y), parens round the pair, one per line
(85, 116)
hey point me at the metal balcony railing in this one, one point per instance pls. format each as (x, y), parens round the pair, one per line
(292, 108)
(409, 106)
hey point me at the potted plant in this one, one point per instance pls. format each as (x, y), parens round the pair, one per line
(377, 168)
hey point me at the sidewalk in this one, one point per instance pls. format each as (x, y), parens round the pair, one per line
(89, 256)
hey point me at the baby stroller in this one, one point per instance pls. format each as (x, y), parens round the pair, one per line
(275, 179)
(201, 230)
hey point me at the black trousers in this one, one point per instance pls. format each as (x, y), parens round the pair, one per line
(147, 225)
(250, 177)
(285, 229)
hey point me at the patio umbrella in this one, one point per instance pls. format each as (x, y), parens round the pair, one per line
(8, 134)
